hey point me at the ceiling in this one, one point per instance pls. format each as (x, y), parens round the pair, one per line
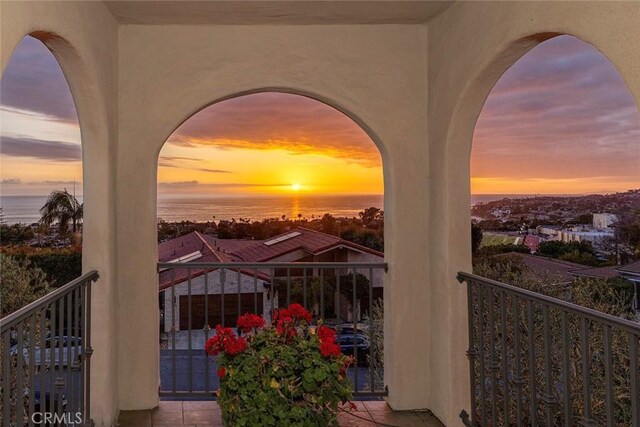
(238, 12)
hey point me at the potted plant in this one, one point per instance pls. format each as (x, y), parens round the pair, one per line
(288, 373)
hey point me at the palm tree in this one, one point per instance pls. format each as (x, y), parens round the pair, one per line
(63, 208)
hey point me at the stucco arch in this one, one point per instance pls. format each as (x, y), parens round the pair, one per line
(490, 38)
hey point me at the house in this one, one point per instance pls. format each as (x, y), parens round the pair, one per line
(543, 268)
(190, 288)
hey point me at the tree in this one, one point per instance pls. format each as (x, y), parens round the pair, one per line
(22, 283)
(63, 208)
(370, 214)
(476, 238)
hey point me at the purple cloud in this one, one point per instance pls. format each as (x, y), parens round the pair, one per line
(39, 149)
(33, 81)
(561, 111)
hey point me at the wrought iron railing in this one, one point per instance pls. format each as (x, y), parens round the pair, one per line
(538, 360)
(46, 355)
(194, 297)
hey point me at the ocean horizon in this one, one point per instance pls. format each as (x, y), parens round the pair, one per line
(25, 209)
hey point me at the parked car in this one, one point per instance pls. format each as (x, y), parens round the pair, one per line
(359, 341)
(44, 404)
(65, 349)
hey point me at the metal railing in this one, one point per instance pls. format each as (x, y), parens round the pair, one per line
(195, 297)
(538, 360)
(46, 356)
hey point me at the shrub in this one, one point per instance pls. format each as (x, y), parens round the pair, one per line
(284, 374)
(22, 283)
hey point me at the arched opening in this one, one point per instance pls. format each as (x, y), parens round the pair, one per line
(555, 202)
(41, 159)
(252, 182)
(41, 237)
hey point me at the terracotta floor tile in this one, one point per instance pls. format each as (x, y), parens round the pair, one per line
(169, 406)
(201, 417)
(200, 405)
(377, 405)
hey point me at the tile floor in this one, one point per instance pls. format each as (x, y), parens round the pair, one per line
(199, 413)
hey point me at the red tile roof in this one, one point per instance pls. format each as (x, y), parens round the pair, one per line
(633, 268)
(311, 241)
(215, 250)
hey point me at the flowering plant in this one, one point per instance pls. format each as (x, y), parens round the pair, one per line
(288, 373)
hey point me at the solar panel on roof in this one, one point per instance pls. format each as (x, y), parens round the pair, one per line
(282, 238)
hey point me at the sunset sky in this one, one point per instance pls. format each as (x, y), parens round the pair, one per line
(559, 121)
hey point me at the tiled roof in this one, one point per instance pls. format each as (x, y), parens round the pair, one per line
(307, 240)
(608, 272)
(633, 268)
(544, 267)
(188, 244)
(215, 250)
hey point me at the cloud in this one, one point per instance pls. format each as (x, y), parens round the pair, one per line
(11, 181)
(214, 185)
(33, 81)
(54, 182)
(562, 111)
(278, 121)
(183, 163)
(39, 149)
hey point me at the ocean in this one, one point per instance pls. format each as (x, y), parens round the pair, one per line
(24, 209)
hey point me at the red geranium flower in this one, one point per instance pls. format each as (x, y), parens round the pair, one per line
(215, 344)
(326, 334)
(249, 321)
(225, 341)
(329, 348)
(222, 372)
(298, 312)
(233, 345)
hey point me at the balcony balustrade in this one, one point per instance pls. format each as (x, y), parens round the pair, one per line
(197, 296)
(46, 359)
(537, 360)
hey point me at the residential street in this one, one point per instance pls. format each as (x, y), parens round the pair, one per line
(203, 367)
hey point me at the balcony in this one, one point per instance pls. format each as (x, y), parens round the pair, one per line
(413, 75)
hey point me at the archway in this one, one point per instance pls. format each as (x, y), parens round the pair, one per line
(276, 172)
(561, 126)
(559, 122)
(41, 157)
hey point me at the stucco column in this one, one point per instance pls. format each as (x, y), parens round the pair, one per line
(138, 314)
(407, 287)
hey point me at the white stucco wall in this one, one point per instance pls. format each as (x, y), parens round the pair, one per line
(416, 89)
(375, 74)
(83, 37)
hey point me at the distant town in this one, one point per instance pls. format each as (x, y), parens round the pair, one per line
(533, 220)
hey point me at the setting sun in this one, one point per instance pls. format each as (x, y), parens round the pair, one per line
(296, 187)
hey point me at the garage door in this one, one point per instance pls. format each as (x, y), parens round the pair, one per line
(215, 309)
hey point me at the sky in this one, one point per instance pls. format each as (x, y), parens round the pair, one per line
(559, 121)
